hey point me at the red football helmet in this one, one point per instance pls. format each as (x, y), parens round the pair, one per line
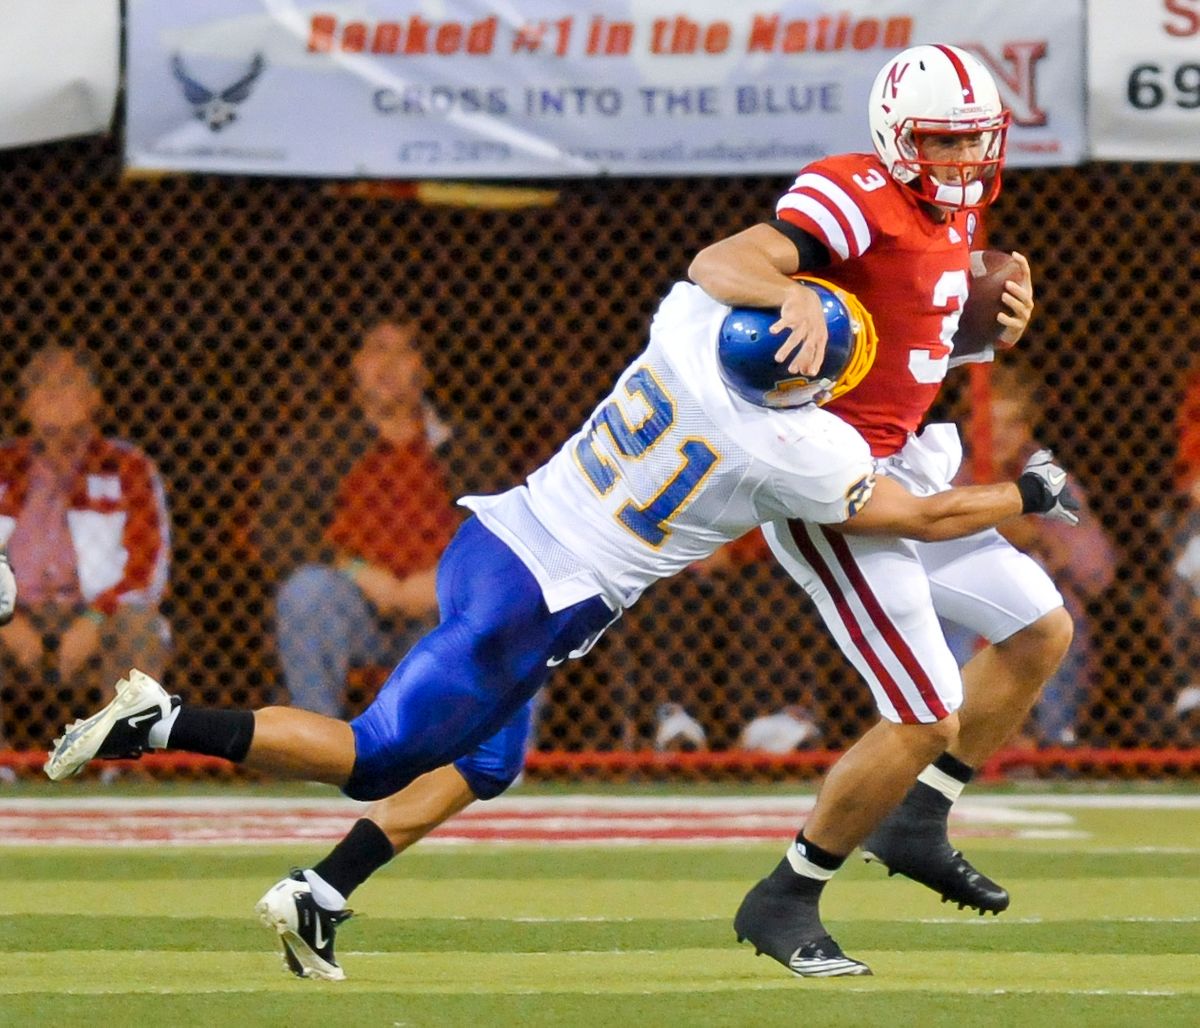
(936, 91)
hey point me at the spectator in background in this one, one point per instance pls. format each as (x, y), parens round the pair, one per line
(393, 515)
(1182, 535)
(1079, 559)
(8, 606)
(85, 523)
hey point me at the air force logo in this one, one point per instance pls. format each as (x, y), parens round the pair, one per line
(217, 108)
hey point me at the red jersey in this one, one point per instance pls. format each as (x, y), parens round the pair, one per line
(394, 508)
(116, 513)
(909, 271)
(1187, 462)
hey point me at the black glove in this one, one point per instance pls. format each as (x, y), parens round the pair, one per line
(8, 590)
(1044, 489)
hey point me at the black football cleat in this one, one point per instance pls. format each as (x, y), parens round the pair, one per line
(913, 843)
(779, 918)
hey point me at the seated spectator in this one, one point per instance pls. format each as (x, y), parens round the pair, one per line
(393, 515)
(1181, 531)
(85, 523)
(1183, 611)
(1079, 559)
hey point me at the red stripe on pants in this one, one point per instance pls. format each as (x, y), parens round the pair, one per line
(813, 556)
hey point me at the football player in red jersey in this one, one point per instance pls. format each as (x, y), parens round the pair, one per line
(896, 227)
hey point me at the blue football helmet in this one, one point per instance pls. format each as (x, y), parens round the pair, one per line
(746, 349)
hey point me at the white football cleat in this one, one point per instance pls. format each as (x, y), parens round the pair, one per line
(305, 929)
(120, 731)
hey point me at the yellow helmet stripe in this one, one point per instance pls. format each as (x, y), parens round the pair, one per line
(866, 340)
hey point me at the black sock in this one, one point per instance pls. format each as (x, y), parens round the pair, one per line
(791, 879)
(363, 851)
(215, 733)
(822, 858)
(954, 767)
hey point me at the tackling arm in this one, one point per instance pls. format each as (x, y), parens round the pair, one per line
(893, 511)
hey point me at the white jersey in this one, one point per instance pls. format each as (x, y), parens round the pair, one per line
(671, 466)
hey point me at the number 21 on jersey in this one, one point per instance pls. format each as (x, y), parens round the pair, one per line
(635, 439)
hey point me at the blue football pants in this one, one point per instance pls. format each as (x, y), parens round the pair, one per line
(463, 693)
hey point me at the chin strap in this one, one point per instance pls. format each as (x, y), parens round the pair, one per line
(957, 195)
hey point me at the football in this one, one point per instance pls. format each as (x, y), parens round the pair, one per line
(978, 327)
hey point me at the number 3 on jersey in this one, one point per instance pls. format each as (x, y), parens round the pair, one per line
(950, 292)
(635, 440)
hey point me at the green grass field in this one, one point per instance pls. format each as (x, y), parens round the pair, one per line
(1104, 930)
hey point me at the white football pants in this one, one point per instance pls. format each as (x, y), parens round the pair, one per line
(881, 598)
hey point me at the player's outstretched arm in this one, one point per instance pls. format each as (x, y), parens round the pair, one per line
(893, 511)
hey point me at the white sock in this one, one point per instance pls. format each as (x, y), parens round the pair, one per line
(803, 866)
(160, 731)
(937, 779)
(325, 894)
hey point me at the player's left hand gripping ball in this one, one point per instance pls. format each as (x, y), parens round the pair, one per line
(8, 590)
(1047, 483)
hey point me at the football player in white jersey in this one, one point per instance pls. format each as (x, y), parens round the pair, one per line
(703, 438)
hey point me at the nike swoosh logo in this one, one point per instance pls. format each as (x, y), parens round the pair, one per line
(1057, 477)
(555, 661)
(318, 938)
(137, 719)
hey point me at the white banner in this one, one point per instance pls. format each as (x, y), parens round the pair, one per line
(518, 88)
(58, 68)
(1144, 79)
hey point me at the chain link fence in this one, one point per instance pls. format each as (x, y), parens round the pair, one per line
(223, 313)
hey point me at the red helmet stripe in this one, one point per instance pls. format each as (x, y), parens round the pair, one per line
(965, 79)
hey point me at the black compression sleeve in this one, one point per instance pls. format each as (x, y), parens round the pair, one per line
(809, 249)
